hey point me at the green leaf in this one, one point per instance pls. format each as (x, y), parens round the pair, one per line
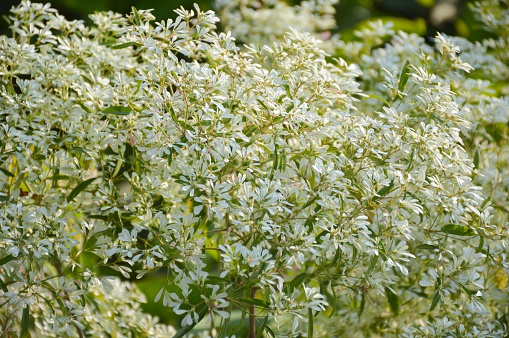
(476, 159)
(287, 89)
(6, 259)
(241, 324)
(467, 291)
(456, 229)
(426, 247)
(297, 281)
(7, 172)
(6, 19)
(138, 86)
(481, 244)
(137, 19)
(117, 110)
(59, 177)
(262, 327)
(127, 44)
(374, 96)
(79, 188)
(411, 160)
(3, 286)
(333, 303)
(403, 77)
(224, 324)
(186, 328)
(256, 302)
(25, 319)
(308, 203)
(269, 331)
(337, 257)
(182, 124)
(263, 104)
(363, 304)
(372, 264)
(393, 300)
(318, 237)
(382, 192)
(217, 280)
(275, 158)
(78, 150)
(436, 299)
(496, 130)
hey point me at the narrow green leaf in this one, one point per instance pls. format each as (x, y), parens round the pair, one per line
(182, 124)
(7, 172)
(118, 166)
(436, 299)
(363, 304)
(308, 203)
(101, 217)
(393, 300)
(217, 280)
(403, 77)
(411, 160)
(126, 44)
(372, 264)
(275, 158)
(297, 281)
(6, 19)
(78, 150)
(25, 319)
(374, 96)
(262, 327)
(186, 328)
(287, 89)
(481, 244)
(224, 324)
(426, 247)
(6, 259)
(256, 302)
(79, 188)
(382, 192)
(59, 177)
(318, 237)
(333, 303)
(467, 291)
(253, 139)
(269, 331)
(496, 130)
(241, 324)
(3, 286)
(263, 104)
(137, 19)
(117, 110)
(476, 159)
(456, 229)
(337, 257)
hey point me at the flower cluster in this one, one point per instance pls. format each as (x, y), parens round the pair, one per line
(266, 21)
(274, 180)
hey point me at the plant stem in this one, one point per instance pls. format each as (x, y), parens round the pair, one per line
(252, 324)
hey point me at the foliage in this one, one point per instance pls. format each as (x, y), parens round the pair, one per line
(362, 183)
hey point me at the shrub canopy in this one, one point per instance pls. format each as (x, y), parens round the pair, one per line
(363, 182)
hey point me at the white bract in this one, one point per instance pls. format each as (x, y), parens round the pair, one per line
(368, 188)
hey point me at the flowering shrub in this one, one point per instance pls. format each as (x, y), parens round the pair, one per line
(365, 186)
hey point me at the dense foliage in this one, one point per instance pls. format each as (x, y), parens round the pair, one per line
(307, 187)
